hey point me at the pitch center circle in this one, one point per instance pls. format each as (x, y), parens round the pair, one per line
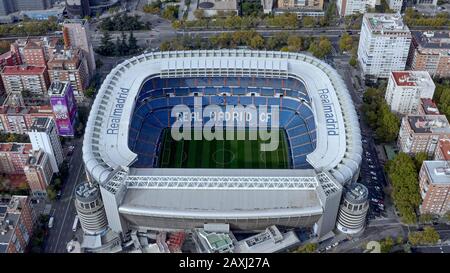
(223, 154)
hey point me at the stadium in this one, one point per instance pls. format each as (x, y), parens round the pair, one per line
(150, 180)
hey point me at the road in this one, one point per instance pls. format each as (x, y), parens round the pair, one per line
(63, 209)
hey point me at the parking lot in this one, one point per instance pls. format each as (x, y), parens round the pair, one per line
(372, 177)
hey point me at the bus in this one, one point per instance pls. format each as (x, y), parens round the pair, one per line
(75, 223)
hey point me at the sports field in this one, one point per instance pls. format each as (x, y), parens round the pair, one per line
(238, 154)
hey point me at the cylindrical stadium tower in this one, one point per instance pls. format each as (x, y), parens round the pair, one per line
(90, 209)
(353, 209)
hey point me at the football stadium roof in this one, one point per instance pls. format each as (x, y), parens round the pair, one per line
(105, 147)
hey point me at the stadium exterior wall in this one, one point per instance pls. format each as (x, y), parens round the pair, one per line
(107, 157)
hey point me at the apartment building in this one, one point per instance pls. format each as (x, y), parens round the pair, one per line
(443, 150)
(395, 5)
(427, 107)
(406, 88)
(13, 157)
(350, 7)
(39, 172)
(17, 218)
(44, 135)
(434, 183)
(422, 133)
(70, 66)
(430, 51)
(19, 119)
(20, 79)
(383, 45)
(301, 4)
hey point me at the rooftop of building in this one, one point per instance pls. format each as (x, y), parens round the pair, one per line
(429, 124)
(444, 147)
(432, 39)
(58, 88)
(429, 107)
(75, 21)
(6, 109)
(218, 4)
(438, 171)
(357, 193)
(86, 192)
(40, 124)
(10, 209)
(386, 23)
(23, 148)
(35, 157)
(23, 70)
(413, 78)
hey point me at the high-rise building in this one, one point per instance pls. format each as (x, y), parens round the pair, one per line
(10, 6)
(383, 45)
(64, 107)
(17, 218)
(353, 209)
(422, 133)
(349, 7)
(427, 2)
(44, 135)
(406, 88)
(19, 119)
(13, 157)
(79, 8)
(70, 65)
(395, 5)
(76, 34)
(49, 45)
(39, 172)
(300, 4)
(25, 79)
(434, 183)
(430, 52)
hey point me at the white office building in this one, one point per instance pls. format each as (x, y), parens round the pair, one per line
(349, 7)
(395, 5)
(44, 135)
(406, 88)
(383, 45)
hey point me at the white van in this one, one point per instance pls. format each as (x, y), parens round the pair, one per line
(75, 224)
(50, 222)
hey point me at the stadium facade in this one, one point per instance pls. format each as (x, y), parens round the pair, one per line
(133, 105)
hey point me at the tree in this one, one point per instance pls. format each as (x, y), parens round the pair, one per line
(320, 48)
(106, 47)
(426, 218)
(386, 245)
(345, 42)
(51, 193)
(353, 61)
(199, 13)
(295, 43)
(170, 13)
(308, 21)
(428, 236)
(419, 158)
(132, 43)
(89, 92)
(403, 176)
(4, 46)
(257, 42)
(307, 248)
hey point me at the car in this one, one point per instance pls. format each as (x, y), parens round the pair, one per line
(378, 188)
(372, 173)
(328, 247)
(50, 222)
(335, 244)
(59, 194)
(372, 166)
(374, 178)
(364, 140)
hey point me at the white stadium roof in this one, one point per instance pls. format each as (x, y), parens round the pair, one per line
(105, 147)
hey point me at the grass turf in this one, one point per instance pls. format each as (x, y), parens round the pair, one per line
(238, 154)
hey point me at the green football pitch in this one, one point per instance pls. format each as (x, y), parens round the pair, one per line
(237, 154)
